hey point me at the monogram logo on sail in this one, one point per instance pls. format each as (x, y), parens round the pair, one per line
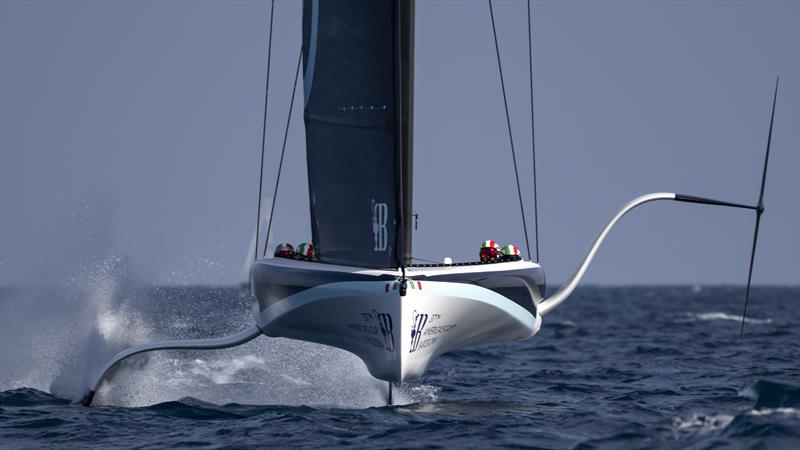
(385, 323)
(380, 214)
(417, 325)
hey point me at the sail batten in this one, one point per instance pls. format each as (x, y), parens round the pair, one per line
(358, 84)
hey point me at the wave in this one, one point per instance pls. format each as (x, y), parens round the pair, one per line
(700, 424)
(776, 406)
(29, 397)
(770, 394)
(769, 411)
(708, 316)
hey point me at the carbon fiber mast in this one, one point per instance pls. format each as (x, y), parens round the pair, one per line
(404, 121)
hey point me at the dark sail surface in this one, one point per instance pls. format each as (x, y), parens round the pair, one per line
(357, 83)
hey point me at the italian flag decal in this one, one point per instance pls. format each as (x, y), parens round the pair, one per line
(396, 284)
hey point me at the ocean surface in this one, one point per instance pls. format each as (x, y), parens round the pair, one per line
(625, 367)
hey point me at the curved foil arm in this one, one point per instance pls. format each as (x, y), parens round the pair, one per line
(548, 304)
(191, 344)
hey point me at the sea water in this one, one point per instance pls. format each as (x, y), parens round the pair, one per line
(623, 367)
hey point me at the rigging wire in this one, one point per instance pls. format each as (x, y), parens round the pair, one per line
(510, 137)
(533, 137)
(283, 150)
(264, 131)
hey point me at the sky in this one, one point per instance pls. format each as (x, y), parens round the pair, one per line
(132, 130)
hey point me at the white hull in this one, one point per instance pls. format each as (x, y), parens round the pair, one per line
(397, 336)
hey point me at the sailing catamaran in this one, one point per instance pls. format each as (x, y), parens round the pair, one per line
(357, 289)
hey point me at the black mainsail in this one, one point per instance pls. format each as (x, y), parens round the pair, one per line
(358, 84)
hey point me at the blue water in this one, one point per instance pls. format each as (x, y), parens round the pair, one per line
(628, 367)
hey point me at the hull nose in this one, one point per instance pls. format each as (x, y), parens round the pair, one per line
(397, 336)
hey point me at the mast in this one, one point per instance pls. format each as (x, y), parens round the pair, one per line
(404, 103)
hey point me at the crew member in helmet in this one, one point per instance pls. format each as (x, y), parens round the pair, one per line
(284, 251)
(511, 253)
(490, 252)
(305, 252)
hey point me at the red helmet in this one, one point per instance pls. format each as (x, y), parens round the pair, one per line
(490, 251)
(284, 251)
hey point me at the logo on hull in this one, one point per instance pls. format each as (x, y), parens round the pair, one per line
(417, 326)
(385, 323)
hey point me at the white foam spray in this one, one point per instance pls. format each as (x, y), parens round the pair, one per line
(61, 327)
(54, 339)
(699, 424)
